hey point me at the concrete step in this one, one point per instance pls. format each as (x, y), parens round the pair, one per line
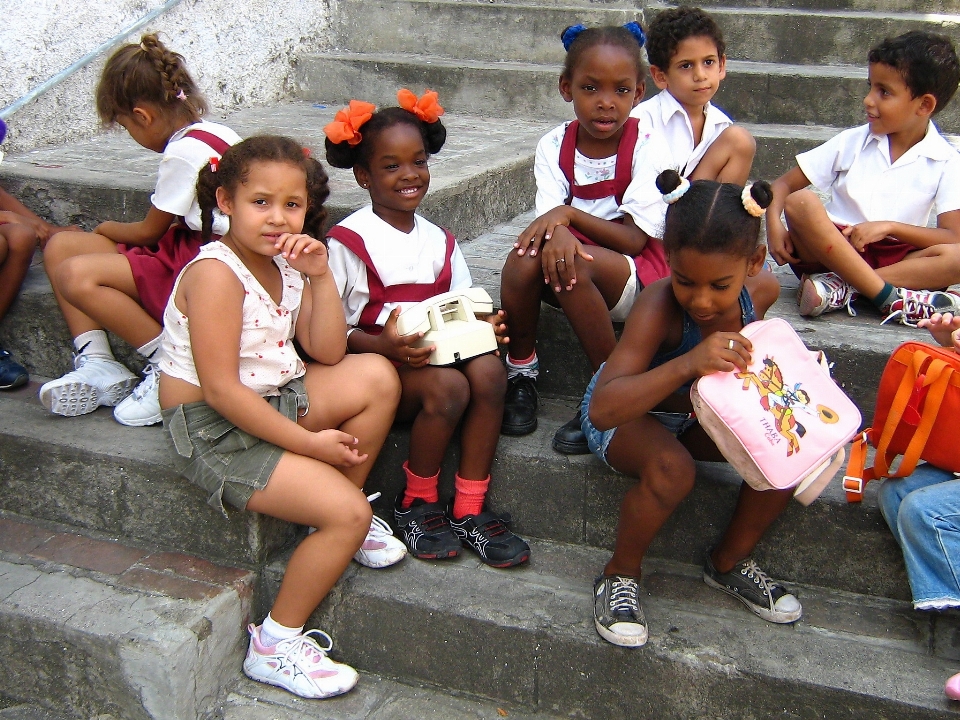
(527, 636)
(374, 698)
(94, 628)
(754, 92)
(886, 6)
(481, 177)
(530, 33)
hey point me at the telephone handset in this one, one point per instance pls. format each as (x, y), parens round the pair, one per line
(450, 324)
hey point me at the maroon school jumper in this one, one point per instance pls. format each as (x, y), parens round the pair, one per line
(651, 263)
(155, 269)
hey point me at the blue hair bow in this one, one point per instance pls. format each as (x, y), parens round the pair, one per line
(637, 31)
(571, 34)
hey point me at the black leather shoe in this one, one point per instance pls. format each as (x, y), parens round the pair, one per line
(569, 438)
(520, 406)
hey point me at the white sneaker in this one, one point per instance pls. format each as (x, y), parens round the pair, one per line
(142, 406)
(380, 549)
(825, 292)
(96, 381)
(299, 665)
(912, 306)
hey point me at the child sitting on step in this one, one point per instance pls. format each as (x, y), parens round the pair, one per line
(20, 233)
(255, 428)
(594, 243)
(385, 258)
(637, 414)
(883, 178)
(922, 511)
(686, 52)
(119, 277)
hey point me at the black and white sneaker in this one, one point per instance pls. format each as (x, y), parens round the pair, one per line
(616, 610)
(488, 536)
(426, 530)
(755, 589)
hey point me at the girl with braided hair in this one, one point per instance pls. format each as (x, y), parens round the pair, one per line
(118, 277)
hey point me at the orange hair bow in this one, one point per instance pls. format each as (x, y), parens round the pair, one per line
(347, 123)
(425, 107)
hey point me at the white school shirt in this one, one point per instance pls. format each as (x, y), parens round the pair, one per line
(400, 258)
(642, 201)
(864, 186)
(268, 359)
(666, 116)
(176, 189)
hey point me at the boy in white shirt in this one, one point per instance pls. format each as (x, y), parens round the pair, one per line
(686, 52)
(884, 178)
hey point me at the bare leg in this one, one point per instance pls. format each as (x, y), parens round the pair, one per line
(17, 244)
(754, 514)
(729, 158)
(929, 268)
(435, 398)
(358, 395)
(306, 491)
(521, 286)
(58, 249)
(481, 421)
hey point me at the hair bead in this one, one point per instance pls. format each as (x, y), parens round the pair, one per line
(571, 34)
(634, 28)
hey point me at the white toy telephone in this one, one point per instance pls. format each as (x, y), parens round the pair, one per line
(450, 324)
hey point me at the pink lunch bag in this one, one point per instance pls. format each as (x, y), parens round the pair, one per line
(784, 422)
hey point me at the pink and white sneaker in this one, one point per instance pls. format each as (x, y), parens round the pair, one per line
(952, 688)
(914, 305)
(380, 549)
(299, 665)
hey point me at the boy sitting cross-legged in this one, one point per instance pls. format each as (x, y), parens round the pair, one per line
(883, 177)
(687, 62)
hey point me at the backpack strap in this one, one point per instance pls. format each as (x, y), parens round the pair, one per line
(214, 142)
(380, 295)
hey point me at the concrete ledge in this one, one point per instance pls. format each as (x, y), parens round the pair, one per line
(526, 636)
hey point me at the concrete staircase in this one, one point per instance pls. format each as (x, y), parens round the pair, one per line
(110, 565)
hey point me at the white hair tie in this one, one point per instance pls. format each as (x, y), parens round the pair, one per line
(749, 204)
(671, 197)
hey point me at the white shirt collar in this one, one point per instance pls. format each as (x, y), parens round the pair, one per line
(932, 145)
(670, 106)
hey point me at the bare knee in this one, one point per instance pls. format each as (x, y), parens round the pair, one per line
(380, 378)
(521, 272)
(21, 241)
(669, 476)
(447, 396)
(949, 261)
(488, 380)
(354, 515)
(801, 206)
(740, 141)
(71, 278)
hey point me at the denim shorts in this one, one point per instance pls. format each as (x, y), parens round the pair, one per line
(224, 461)
(599, 440)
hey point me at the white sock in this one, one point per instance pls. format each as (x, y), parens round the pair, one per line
(530, 368)
(272, 632)
(149, 348)
(93, 342)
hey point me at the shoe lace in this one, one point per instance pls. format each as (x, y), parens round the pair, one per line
(151, 377)
(623, 595)
(304, 651)
(914, 306)
(752, 571)
(841, 293)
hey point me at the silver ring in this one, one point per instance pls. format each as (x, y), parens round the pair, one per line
(730, 345)
(562, 260)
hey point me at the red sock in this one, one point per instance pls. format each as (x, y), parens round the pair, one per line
(424, 488)
(469, 497)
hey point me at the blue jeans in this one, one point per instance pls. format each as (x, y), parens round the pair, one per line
(923, 511)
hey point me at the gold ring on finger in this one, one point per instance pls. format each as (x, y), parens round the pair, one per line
(730, 345)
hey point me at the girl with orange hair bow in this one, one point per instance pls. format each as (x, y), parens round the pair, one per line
(385, 258)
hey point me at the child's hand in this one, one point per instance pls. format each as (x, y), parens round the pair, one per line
(720, 352)
(304, 253)
(401, 347)
(944, 328)
(498, 320)
(866, 232)
(541, 230)
(780, 245)
(558, 260)
(336, 448)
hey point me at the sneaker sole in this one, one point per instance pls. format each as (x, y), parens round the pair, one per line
(517, 559)
(811, 304)
(70, 399)
(280, 685)
(145, 422)
(433, 556)
(514, 430)
(19, 382)
(781, 618)
(621, 640)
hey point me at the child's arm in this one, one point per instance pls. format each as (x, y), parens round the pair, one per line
(392, 345)
(778, 239)
(944, 328)
(627, 389)
(321, 327)
(146, 232)
(946, 232)
(624, 237)
(213, 300)
(14, 211)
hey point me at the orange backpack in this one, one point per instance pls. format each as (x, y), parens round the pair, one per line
(917, 416)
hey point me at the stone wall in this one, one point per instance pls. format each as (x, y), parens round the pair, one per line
(241, 53)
